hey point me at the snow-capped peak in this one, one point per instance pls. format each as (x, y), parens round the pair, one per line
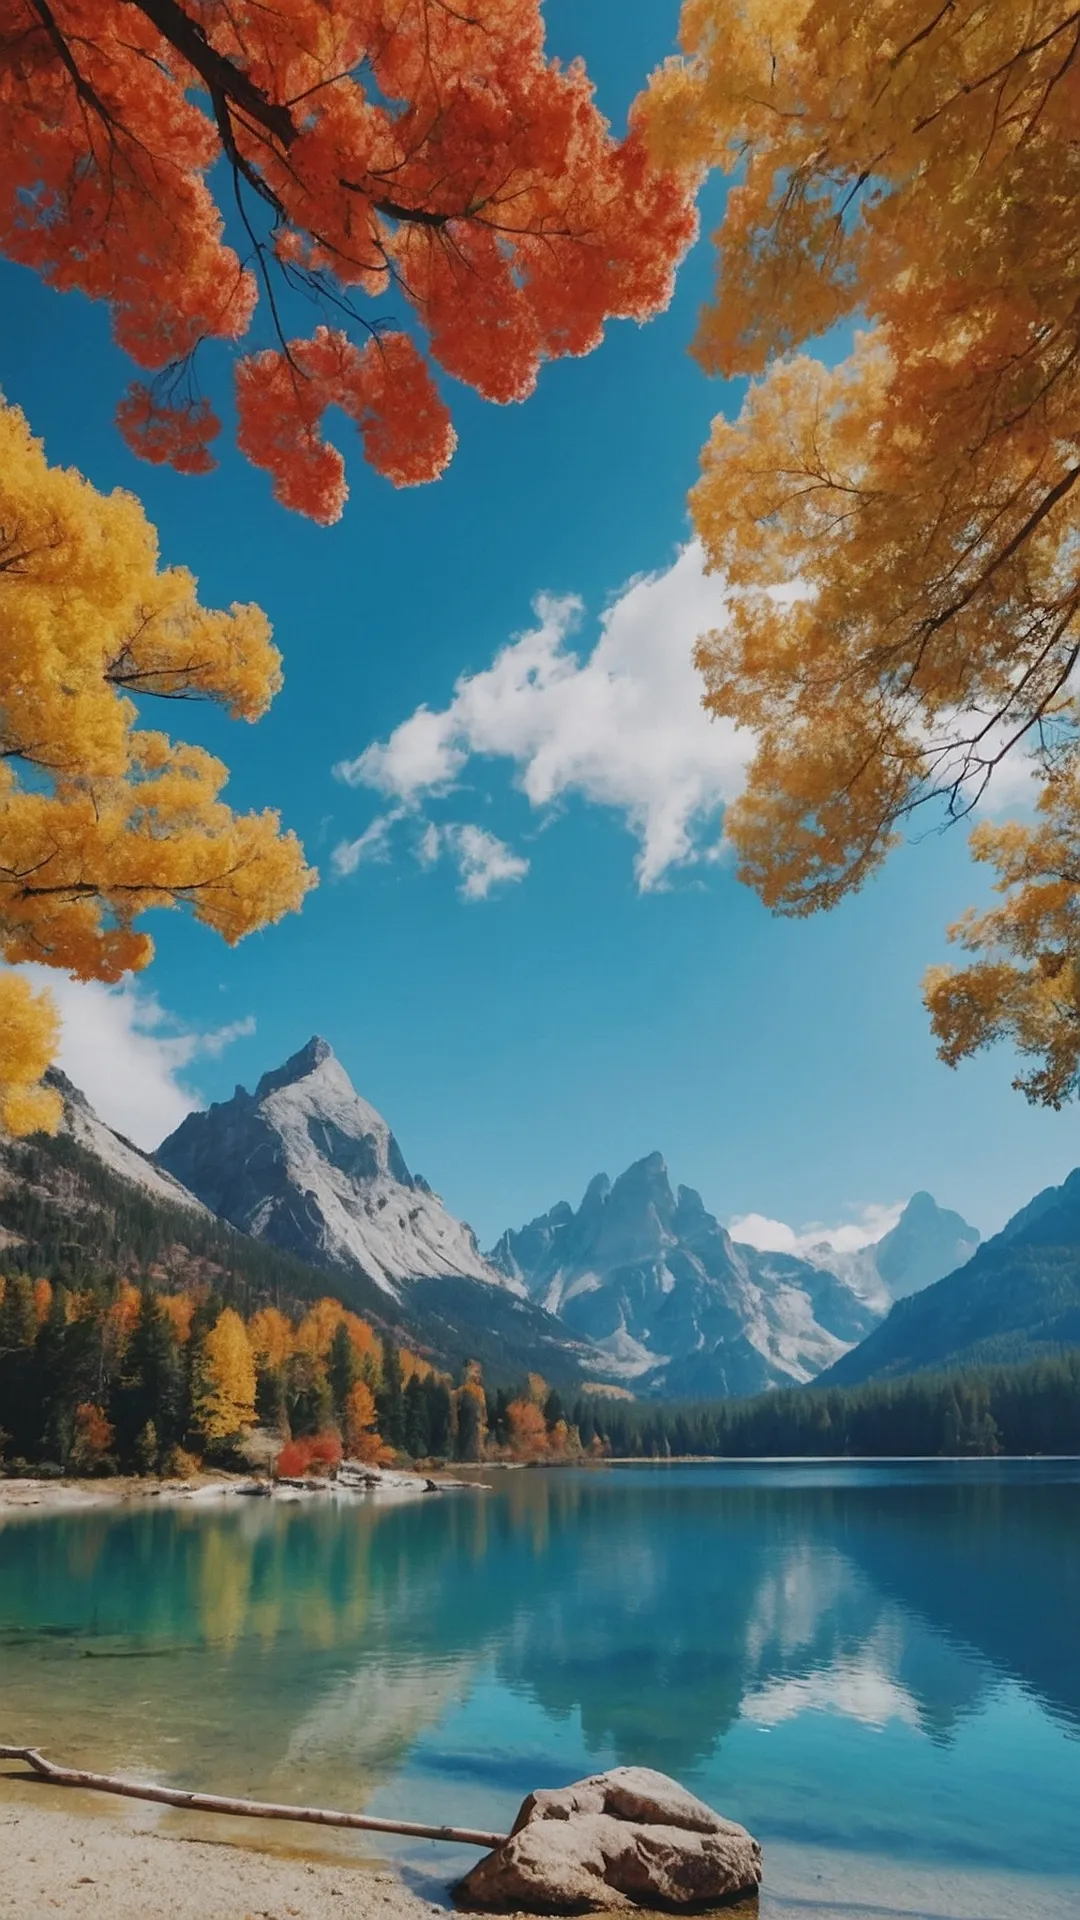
(309, 1165)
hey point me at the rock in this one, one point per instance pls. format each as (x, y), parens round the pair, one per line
(627, 1838)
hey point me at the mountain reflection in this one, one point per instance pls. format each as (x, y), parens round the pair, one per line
(260, 1646)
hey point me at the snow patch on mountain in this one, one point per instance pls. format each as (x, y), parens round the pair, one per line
(115, 1153)
(308, 1164)
(650, 1277)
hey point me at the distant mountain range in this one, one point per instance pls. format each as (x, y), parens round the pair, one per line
(678, 1308)
(640, 1286)
(1017, 1297)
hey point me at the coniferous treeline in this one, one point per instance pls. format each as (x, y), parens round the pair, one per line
(1033, 1407)
(112, 1377)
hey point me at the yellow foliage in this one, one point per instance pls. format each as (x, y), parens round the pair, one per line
(100, 820)
(359, 1419)
(271, 1336)
(179, 1309)
(918, 168)
(318, 1327)
(1026, 988)
(225, 1383)
(528, 1433)
(29, 1032)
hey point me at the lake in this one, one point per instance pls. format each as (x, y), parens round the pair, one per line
(876, 1667)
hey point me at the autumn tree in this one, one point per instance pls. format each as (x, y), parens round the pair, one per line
(102, 820)
(90, 1452)
(915, 168)
(471, 1406)
(224, 1393)
(527, 1428)
(368, 152)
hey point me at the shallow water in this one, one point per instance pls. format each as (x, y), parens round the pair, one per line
(876, 1667)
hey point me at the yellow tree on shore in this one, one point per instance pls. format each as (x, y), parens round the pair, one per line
(224, 1387)
(916, 168)
(101, 820)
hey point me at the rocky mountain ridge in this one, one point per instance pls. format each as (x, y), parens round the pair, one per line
(305, 1163)
(678, 1308)
(640, 1286)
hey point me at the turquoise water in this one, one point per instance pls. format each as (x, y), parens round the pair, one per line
(877, 1668)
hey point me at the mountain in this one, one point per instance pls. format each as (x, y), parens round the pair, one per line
(653, 1280)
(116, 1153)
(926, 1243)
(1017, 1297)
(85, 1202)
(306, 1164)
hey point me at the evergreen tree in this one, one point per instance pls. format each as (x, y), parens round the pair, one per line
(343, 1371)
(56, 1408)
(20, 1412)
(390, 1399)
(440, 1417)
(416, 1424)
(151, 1388)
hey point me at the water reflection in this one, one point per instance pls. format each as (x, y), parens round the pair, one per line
(658, 1617)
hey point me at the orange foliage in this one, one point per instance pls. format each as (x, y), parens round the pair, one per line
(317, 1454)
(528, 1432)
(359, 1417)
(123, 1312)
(912, 168)
(178, 1309)
(93, 1437)
(42, 1300)
(437, 155)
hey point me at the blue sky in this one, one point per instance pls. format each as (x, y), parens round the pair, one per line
(569, 1020)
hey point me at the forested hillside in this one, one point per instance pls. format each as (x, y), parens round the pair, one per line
(65, 1217)
(1032, 1408)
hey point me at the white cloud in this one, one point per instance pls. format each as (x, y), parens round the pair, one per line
(870, 1222)
(127, 1054)
(482, 859)
(622, 725)
(372, 844)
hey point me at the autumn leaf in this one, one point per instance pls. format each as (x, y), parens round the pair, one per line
(419, 159)
(100, 819)
(914, 172)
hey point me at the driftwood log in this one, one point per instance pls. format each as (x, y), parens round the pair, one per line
(248, 1809)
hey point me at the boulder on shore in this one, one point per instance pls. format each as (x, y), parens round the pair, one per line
(626, 1838)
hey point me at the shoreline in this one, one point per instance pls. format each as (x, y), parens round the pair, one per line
(73, 1495)
(70, 1494)
(92, 1862)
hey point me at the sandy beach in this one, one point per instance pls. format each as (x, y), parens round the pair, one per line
(88, 1867)
(104, 1865)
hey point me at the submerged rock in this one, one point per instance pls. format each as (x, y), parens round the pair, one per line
(627, 1838)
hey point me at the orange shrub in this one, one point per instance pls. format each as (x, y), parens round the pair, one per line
(314, 1454)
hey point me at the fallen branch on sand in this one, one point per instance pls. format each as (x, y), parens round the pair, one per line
(249, 1809)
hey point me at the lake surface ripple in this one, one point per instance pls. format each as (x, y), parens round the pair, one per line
(877, 1667)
